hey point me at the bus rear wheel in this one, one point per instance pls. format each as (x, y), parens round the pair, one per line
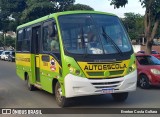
(120, 97)
(30, 86)
(62, 101)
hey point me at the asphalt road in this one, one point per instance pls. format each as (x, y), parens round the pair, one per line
(14, 94)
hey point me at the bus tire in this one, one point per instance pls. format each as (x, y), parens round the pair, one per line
(120, 97)
(30, 86)
(62, 101)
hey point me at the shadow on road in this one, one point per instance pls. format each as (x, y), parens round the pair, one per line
(136, 99)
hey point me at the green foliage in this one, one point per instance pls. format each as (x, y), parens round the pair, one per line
(13, 7)
(62, 5)
(79, 7)
(134, 24)
(10, 8)
(1, 40)
(26, 10)
(151, 18)
(152, 6)
(10, 41)
(4, 26)
(118, 3)
(7, 41)
(37, 9)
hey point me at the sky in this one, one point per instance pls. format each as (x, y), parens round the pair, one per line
(104, 5)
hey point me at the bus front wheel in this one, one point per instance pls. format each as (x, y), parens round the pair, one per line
(120, 97)
(62, 101)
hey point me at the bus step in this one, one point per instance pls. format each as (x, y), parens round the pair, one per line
(38, 86)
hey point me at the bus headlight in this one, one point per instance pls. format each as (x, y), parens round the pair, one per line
(155, 71)
(73, 70)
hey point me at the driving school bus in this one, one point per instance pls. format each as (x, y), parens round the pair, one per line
(76, 53)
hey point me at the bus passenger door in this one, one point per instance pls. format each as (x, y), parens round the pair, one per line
(36, 35)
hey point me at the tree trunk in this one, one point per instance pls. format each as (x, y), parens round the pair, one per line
(151, 37)
(149, 30)
(147, 24)
(149, 45)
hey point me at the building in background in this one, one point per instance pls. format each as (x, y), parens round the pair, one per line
(11, 33)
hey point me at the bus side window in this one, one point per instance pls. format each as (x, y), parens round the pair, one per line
(54, 36)
(26, 40)
(50, 37)
(46, 39)
(19, 40)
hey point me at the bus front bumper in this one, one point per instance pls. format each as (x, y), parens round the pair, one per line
(79, 86)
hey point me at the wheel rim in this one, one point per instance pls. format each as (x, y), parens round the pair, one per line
(143, 82)
(59, 94)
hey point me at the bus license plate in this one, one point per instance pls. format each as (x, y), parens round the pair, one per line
(108, 90)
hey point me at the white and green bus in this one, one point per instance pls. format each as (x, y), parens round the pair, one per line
(76, 53)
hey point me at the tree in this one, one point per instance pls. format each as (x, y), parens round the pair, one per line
(118, 3)
(10, 41)
(151, 18)
(79, 7)
(36, 9)
(11, 8)
(26, 10)
(134, 24)
(1, 40)
(62, 5)
(39, 8)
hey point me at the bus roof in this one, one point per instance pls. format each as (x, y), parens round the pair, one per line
(58, 14)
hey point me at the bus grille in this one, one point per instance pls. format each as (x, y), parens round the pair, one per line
(112, 73)
(101, 85)
(118, 72)
(95, 73)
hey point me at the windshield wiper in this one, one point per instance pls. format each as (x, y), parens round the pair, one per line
(105, 35)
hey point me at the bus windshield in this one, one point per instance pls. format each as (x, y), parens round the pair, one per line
(93, 34)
